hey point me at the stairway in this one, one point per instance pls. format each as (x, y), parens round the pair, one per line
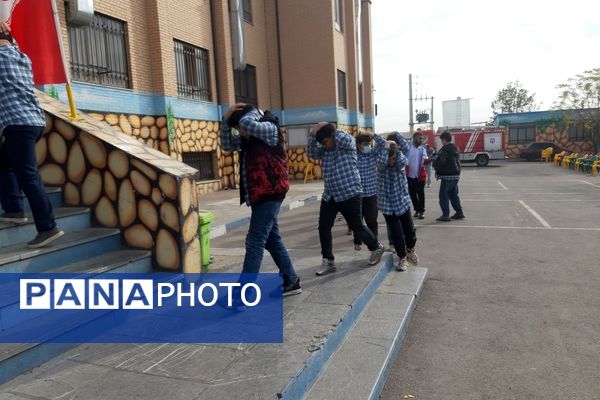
(83, 249)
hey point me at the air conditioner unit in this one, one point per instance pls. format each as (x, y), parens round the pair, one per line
(81, 12)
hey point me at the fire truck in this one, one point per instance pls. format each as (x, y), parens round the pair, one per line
(479, 144)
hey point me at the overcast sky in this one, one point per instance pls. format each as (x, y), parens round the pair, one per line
(472, 49)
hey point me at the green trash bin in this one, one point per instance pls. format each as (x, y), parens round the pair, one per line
(204, 220)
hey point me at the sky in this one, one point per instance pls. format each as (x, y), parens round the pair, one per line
(472, 49)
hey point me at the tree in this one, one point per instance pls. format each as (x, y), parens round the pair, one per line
(513, 99)
(580, 95)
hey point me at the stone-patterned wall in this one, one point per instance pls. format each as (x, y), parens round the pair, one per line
(552, 135)
(149, 130)
(151, 198)
(351, 129)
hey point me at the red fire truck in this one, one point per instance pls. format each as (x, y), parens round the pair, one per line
(479, 145)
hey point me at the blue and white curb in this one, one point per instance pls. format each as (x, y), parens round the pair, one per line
(224, 229)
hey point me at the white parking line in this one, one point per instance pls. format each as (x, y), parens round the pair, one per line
(536, 215)
(502, 185)
(524, 228)
(588, 183)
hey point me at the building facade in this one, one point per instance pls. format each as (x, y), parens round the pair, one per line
(163, 71)
(574, 130)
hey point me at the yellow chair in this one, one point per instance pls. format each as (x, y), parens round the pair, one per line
(308, 169)
(567, 160)
(595, 167)
(547, 154)
(557, 156)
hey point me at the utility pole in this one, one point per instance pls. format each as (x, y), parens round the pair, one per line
(411, 123)
(431, 113)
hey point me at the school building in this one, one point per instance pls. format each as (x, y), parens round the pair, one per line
(163, 71)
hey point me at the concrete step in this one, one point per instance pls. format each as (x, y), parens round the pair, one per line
(359, 368)
(71, 248)
(18, 358)
(69, 219)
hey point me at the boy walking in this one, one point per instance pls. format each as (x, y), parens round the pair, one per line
(447, 169)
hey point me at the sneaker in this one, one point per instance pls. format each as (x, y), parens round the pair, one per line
(376, 255)
(327, 267)
(420, 216)
(402, 264)
(443, 218)
(292, 289)
(43, 239)
(412, 257)
(429, 185)
(458, 216)
(14, 218)
(357, 247)
(416, 215)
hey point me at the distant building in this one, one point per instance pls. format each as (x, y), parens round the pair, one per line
(569, 129)
(456, 113)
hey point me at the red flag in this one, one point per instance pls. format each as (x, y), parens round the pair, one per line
(34, 26)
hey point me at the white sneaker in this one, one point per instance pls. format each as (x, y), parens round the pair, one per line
(327, 267)
(376, 255)
(357, 247)
(412, 257)
(402, 264)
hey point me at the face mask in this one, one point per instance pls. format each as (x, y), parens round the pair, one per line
(366, 150)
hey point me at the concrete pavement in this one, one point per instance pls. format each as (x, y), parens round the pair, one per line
(511, 306)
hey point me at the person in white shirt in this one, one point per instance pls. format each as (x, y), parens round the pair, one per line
(416, 174)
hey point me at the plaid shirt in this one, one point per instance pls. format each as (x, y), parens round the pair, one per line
(392, 194)
(367, 167)
(265, 131)
(340, 170)
(18, 103)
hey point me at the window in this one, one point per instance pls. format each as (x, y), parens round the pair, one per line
(247, 7)
(521, 134)
(338, 12)
(360, 98)
(193, 74)
(298, 136)
(581, 131)
(99, 52)
(245, 86)
(204, 162)
(341, 81)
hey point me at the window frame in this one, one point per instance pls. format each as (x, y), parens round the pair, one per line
(525, 133)
(189, 83)
(338, 15)
(293, 144)
(90, 51)
(243, 86)
(342, 92)
(202, 175)
(247, 13)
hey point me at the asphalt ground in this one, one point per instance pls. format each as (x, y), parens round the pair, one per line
(511, 305)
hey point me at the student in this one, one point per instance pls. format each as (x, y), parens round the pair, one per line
(394, 201)
(447, 169)
(342, 193)
(416, 174)
(431, 154)
(367, 156)
(22, 124)
(264, 184)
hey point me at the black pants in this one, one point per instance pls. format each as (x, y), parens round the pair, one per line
(369, 213)
(19, 171)
(351, 211)
(417, 194)
(402, 229)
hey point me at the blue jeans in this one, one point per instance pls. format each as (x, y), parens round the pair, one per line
(449, 193)
(264, 234)
(19, 171)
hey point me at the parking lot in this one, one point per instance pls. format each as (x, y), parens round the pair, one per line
(511, 306)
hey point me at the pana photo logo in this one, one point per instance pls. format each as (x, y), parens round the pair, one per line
(129, 294)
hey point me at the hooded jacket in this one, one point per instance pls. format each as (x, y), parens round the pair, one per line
(447, 162)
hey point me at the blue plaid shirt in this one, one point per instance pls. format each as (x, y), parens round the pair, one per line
(265, 131)
(367, 167)
(18, 103)
(340, 170)
(392, 194)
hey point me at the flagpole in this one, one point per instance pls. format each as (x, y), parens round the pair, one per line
(73, 110)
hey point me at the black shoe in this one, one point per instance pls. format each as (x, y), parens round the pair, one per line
(458, 216)
(14, 218)
(420, 216)
(416, 215)
(443, 218)
(43, 239)
(292, 289)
